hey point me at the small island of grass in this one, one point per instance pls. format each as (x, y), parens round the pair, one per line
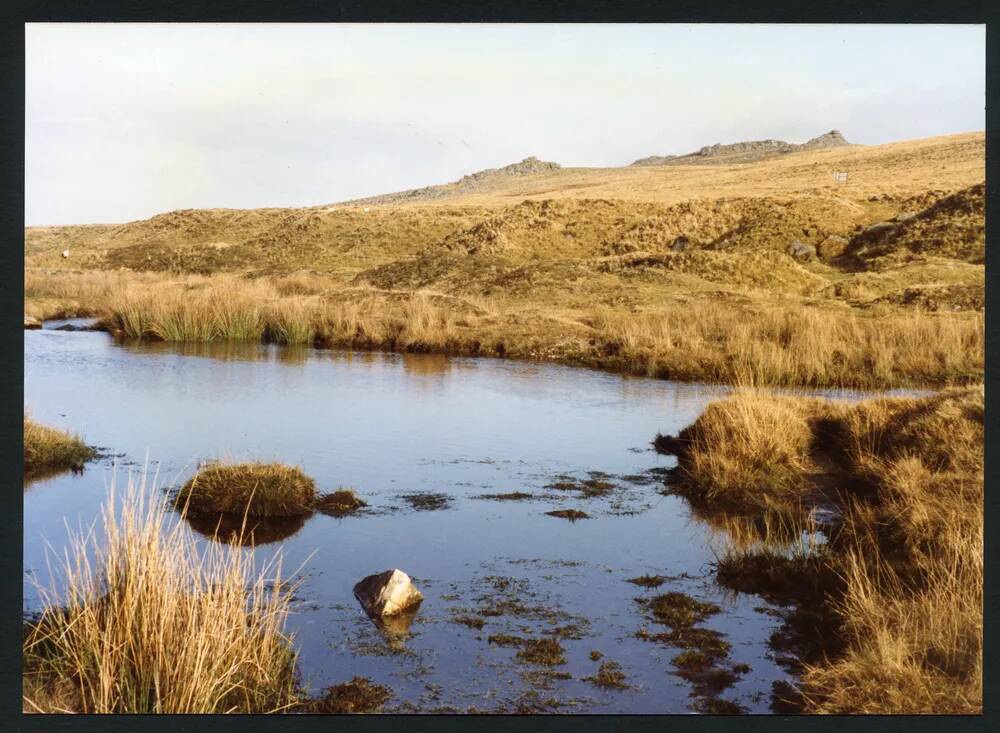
(257, 489)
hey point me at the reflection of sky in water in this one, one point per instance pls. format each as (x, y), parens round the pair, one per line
(389, 424)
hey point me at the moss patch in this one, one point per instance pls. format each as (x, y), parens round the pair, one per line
(360, 695)
(512, 496)
(542, 651)
(427, 501)
(505, 640)
(570, 514)
(678, 609)
(648, 581)
(340, 503)
(473, 622)
(609, 675)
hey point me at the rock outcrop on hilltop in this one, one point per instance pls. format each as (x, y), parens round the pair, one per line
(747, 151)
(471, 183)
(526, 167)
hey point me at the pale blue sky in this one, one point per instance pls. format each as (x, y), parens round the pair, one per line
(124, 121)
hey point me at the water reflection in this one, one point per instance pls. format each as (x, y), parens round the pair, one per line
(220, 350)
(41, 474)
(396, 629)
(779, 532)
(426, 365)
(230, 528)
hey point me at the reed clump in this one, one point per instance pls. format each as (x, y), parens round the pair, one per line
(253, 489)
(146, 620)
(49, 449)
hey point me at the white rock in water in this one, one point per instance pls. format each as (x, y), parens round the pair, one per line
(387, 594)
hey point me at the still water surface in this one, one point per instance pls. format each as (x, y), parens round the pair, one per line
(392, 425)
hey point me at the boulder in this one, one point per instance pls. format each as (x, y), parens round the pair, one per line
(31, 323)
(831, 247)
(801, 252)
(387, 593)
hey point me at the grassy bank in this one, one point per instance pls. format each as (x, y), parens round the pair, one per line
(144, 621)
(47, 449)
(752, 338)
(902, 574)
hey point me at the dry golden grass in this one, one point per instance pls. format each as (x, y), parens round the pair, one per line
(908, 477)
(228, 308)
(248, 489)
(794, 345)
(753, 339)
(146, 621)
(767, 442)
(48, 449)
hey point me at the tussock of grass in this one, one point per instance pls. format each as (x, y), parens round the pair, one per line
(749, 451)
(48, 449)
(254, 489)
(905, 564)
(146, 621)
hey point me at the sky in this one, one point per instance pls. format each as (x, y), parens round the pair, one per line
(124, 121)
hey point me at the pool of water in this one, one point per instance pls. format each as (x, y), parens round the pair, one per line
(391, 425)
